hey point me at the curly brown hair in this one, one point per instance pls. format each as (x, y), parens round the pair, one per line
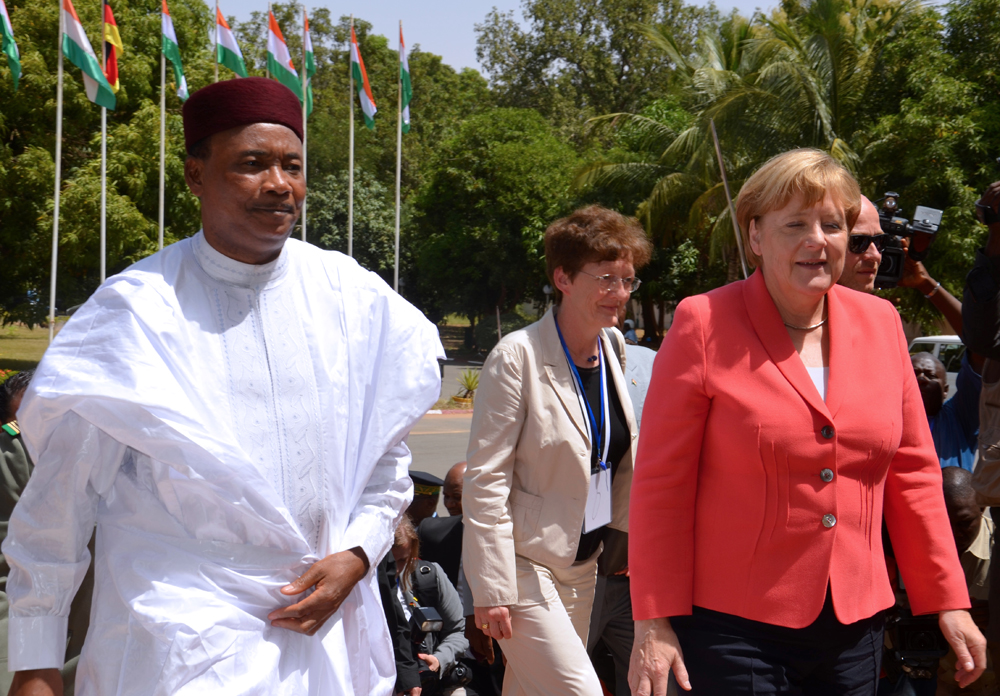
(592, 235)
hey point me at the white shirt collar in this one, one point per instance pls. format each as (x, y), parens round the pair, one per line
(228, 270)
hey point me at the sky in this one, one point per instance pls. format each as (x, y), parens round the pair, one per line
(444, 27)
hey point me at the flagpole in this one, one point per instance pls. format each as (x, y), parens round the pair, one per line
(104, 156)
(399, 153)
(163, 138)
(305, 118)
(267, 66)
(55, 212)
(216, 58)
(350, 157)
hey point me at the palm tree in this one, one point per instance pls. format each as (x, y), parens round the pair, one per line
(797, 79)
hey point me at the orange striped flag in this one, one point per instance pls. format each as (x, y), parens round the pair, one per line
(113, 47)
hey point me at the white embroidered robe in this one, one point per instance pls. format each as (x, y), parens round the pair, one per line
(225, 426)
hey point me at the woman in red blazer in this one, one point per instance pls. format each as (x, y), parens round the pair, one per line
(782, 424)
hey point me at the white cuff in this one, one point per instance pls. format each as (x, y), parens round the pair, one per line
(36, 642)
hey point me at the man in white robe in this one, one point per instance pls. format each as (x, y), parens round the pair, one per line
(231, 413)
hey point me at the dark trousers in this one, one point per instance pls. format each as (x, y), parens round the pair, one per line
(611, 622)
(727, 655)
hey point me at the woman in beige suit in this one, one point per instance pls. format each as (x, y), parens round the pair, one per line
(550, 459)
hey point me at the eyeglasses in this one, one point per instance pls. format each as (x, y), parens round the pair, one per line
(610, 282)
(858, 243)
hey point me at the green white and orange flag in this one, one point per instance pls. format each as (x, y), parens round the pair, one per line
(404, 81)
(78, 51)
(361, 82)
(8, 46)
(172, 51)
(228, 52)
(279, 60)
(310, 64)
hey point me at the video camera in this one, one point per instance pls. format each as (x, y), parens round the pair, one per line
(425, 623)
(921, 231)
(915, 645)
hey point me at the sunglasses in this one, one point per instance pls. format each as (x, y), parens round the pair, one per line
(858, 243)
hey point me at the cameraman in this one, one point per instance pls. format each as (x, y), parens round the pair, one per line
(422, 586)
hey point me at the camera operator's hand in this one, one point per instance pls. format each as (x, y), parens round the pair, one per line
(915, 275)
(415, 691)
(990, 199)
(968, 643)
(494, 622)
(480, 643)
(433, 664)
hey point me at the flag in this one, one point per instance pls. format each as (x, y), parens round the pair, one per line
(112, 48)
(279, 60)
(172, 50)
(310, 65)
(8, 46)
(361, 81)
(228, 52)
(404, 81)
(77, 50)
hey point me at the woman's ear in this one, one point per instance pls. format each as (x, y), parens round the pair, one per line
(562, 280)
(753, 234)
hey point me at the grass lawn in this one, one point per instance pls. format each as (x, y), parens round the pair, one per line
(21, 348)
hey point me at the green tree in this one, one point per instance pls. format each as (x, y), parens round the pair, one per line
(27, 143)
(583, 58)
(491, 191)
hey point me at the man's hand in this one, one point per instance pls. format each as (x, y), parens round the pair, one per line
(480, 643)
(915, 275)
(415, 691)
(333, 577)
(433, 664)
(968, 643)
(655, 653)
(990, 199)
(37, 682)
(494, 622)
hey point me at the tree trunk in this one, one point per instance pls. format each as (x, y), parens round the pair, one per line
(648, 316)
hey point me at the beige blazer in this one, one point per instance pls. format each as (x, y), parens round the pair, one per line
(528, 470)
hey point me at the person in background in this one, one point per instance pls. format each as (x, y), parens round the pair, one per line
(971, 528)
(550, 458)
(954, 423)
(441, 537)
(611, 622)
(761, 461)
(423, 584)
(426, 494)
(15, 470)
(973, 531)
(864, 250)
(407, 669)
(981, 333)
(630, 334)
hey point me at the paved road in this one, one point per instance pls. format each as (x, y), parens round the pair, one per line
(439, 441)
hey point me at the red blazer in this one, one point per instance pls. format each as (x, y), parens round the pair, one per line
(729, 493)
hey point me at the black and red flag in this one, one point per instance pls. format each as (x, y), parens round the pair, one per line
(112, 47)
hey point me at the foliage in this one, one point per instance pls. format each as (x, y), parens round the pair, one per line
(581, 58)
(492, 190)
(6, 374)
(485, 332)
(468, 380)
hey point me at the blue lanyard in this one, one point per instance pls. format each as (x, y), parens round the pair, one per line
(598, 434)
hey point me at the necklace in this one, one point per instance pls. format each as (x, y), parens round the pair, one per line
(805, 328)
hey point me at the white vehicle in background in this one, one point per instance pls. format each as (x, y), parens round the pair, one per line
(947, 349)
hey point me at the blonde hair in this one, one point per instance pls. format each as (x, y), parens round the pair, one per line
(812, 173)
(406, 536)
